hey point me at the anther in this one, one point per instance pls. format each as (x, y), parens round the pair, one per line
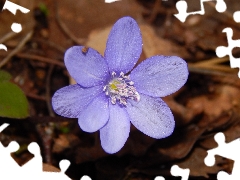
(121, 88)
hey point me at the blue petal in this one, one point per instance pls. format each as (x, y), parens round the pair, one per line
(160, 76)
(87, 68)
(115, 133)
(152, 116)
(95, 115)
(124, 45)
(71, 100)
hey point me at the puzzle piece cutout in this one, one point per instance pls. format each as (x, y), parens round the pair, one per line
(2, 46)
(3, 126)
(35, 162)
(85, 177)
(33, 169)
(227, 150)
(5, 156)
(111, 1)
(222, 51)
(159, 178)
(16, 27)
(236, 16)
(182, 8)
(12, 7)
(177, 171)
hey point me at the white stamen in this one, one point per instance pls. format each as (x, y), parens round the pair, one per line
(104, 88)
(131, 83)
(113, 73)
(120, 89)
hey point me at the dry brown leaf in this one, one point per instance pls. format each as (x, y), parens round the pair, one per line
(50, 168)
(231, 133)
(137, 144)
(221, 102)
(65, 141)
(83, 16)
(152, 44)
(155, 45)
(181, 142)
(195, 162)
(182, 114)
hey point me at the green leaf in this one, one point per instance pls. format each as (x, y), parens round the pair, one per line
(43, 8)
(4, 76)
(13, 102)
(65, 130)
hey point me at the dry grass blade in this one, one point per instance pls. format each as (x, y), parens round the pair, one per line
(212, 66)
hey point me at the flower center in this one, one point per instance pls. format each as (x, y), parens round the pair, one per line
(121, 88)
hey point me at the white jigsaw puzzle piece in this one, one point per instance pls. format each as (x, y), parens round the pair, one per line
(64, 164)
(33, 169)
(85, 177)
(177, 171)
(236, 16)
(3, 126)
(222, 51)
(227, 150)
(12, 7)
(34, 165)
(159, 178)
(7, 164)
(16, 27)
(111, 1)
(2, 46)
(182, 8)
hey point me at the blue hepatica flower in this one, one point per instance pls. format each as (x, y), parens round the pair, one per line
(107, 99)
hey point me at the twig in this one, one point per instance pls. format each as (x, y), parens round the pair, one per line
(46, 133)
(37, 97)
(129, 173)
(67, 31)
(40, 119)
(51, 44)
(40, 58)
(7, 36)
(48, 91)
(49, 128)
(17, 49)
